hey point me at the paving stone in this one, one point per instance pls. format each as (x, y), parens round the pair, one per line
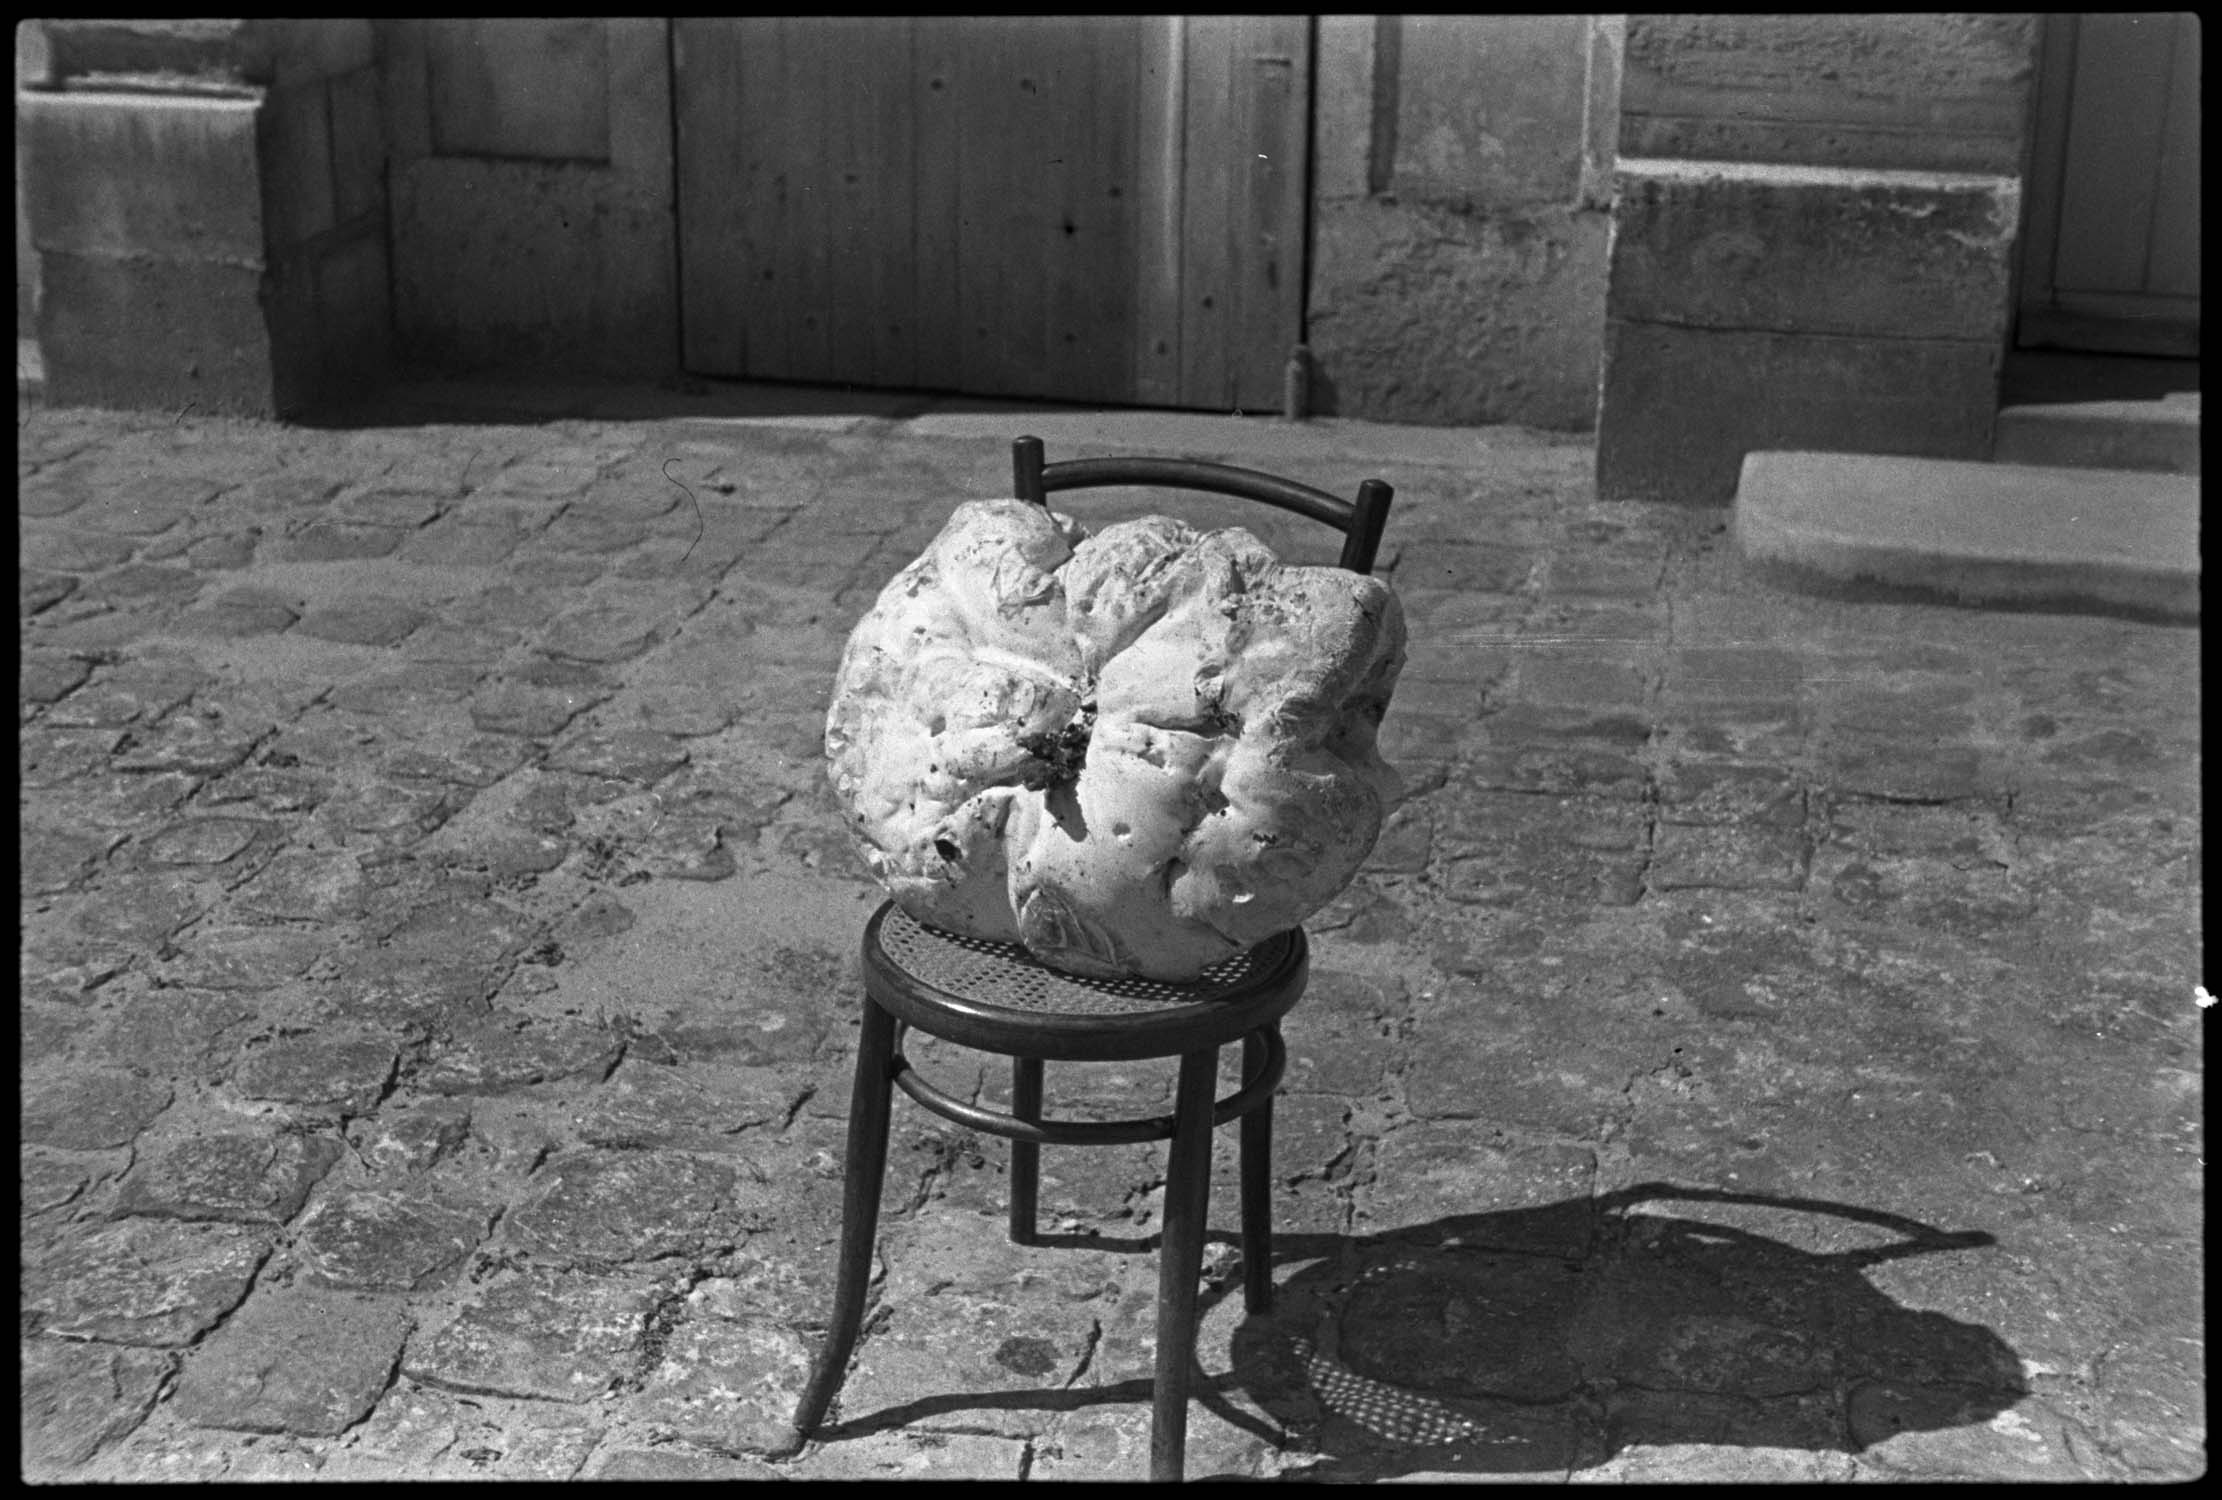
(45, 676)
(59, 552)
(339, 541)
(462, 929)
(142, 912)
(544, 1335)
(1441, 1181)
(609, 632)
(500, 1054)
(454, 542)
(700, 1108)
(534, 713)
(224, 551)
(361, 622)
(241, 613)
(640, 755)
(303, 1362)
(345, 1067)
(389, 1241)
(139, 584)
(49, 860)
(178, 1033)
(246, 958)
(49, 756)
(1465, 1323)
(951, 1344)
(412, 1136)
(91, 1109)
(185, 742)
(1690, 857)
(303, 885)
(728, 1386)
(142, 1282)
(78, 1398)
(204, 841)
(618, 1208)
(246, 1178)
(417, 690)
(386, 505)
(684, 715)
(38, 591)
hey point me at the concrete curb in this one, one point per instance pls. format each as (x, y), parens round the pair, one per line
(2006, 535)
(2162, 436)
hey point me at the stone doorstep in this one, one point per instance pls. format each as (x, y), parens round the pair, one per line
(2161, 436)
(1978, 533)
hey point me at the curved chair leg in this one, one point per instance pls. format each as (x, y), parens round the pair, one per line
(1257, 1188)
(1026, 1157)
(863, 1171)
(1180, 1259)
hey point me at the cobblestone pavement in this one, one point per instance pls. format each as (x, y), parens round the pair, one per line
(1762, 1046)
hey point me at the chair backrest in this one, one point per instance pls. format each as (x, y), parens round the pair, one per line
(1361, 521)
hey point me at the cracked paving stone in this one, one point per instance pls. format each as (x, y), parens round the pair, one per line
(147, 1283)
(49, 756)
(127, 802)
(361, 622)
(178, 1032)
(685, 715)
(36, 591)
(185, 742)
(1428, 1171)
(949, 1344)
(306, 886)
(728, 1386)
(90, 1110)
(547, 1335)
(479, 762)
(639, 755)
(615, 1208)
(607, 632)
(687, 849)
(464, 929)
(141, 912)
(303, 1362)
(346, 1067)
(50, 861)
(512, 852)
(51, 1180)
(497, 1055)
(414, 1137)
(128, 694)
(246, 958)
(203, 841)
(389, 1241)
(44, 676)
(250, 1179)
(77, 1398)
(701, 1108)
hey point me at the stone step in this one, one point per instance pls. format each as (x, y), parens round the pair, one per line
(2011, 535)
(2161, 436)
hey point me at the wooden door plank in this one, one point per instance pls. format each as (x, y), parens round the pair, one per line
(1272, 74)
(865, 172)
(1160, 137)
(807, 85)
(1207, 212)
(759, 255)
(937, 45)
(2113, 150)
(1091, 230)
(2048, 154)
(2173, 268)
(713, 277)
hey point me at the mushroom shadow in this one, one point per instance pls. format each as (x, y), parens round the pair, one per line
(1550, 1338)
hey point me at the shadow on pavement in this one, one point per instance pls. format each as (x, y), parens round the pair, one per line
(1547, 1339)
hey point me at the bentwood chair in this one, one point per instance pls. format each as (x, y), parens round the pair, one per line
(995, 997)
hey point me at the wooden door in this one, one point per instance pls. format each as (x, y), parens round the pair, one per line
(2110, 257)
(1091, 209)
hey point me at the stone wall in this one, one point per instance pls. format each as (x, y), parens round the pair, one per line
(207, 202)
(1815, 223)
(1459, 229)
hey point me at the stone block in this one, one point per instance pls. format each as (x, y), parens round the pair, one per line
(1489, 109)
(1937, 92)
(155, 334)
(1814, 250)
(358, 135)
(1682, 406)
(169, 176)
(296, 150)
